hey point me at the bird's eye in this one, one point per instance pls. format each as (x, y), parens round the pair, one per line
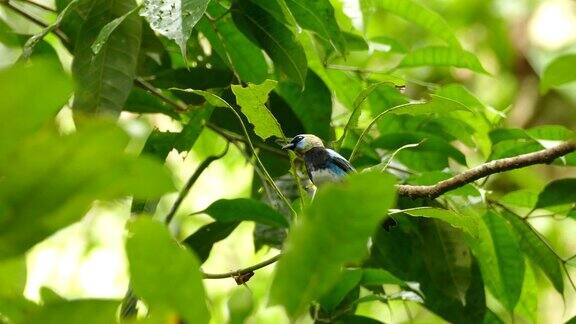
(297, 139)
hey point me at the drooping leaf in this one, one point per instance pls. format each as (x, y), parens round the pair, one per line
(52, 89)
(463, 222)
(163, 274)
(422, 16)
(537, 250)
(442, 56)
(275, 38)
(233, 47)
(348, 280)
(95, 167)
(310, 265)
(231, 210)
(104, 81)
(559, 72)
(203, 239)
(372, 277)
(313, 105)
(501, 264)
(521, 198)
(558, 192)
(141, 101)
(174, 19)
(109, 29)
(318, 16)
(252, 100)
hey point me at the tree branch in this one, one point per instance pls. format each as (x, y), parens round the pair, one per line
(241, 272)
(184, 192)
(540, 157)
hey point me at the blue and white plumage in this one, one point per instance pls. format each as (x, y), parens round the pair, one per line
(322, 164)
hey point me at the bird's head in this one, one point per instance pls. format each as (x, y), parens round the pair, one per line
(303, 143)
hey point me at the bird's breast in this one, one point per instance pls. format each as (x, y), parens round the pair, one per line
(322, 176)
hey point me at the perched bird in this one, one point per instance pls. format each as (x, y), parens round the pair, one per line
(322, 164)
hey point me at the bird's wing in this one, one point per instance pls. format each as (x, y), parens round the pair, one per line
(340, 161)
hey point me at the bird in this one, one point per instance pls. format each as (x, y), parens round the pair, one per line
(323, 165)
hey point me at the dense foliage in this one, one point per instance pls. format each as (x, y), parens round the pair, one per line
(394, 88)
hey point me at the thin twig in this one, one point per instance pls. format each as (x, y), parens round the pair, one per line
(184, 192)
(35, 20)
(180, 107)
(241, 271)
(539, 157)
(39, 5)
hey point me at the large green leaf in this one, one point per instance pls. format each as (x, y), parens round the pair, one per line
(422, 16)
(252, 100)
(12, 277)
(52, 89)
(174, 19)
(104, 81)
(162, 273)
(88, 311)
(312, 105)
(275, 38)
(232, 210)
(311, 264)
(318, 16)
(537, 250)
(348, 280)
(233, 47)
(74, 171)
(501, 264)
(108, 29)
(559, 192)
(442, 56)
(559, 72)
(203, 239)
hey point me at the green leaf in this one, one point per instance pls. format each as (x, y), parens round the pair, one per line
(527, 306)
(74, 171)
(372, 277)
(108, 29)
(464, 222)
(557, 192)
(537, 250)
(142, 101)
(52, 88)
(205, 237)
(437, 104)
(12, 277)
(164, 274)
(501, 264)
(174, 19)
(520, 198)
(231, 210)
(318, 16)
(233, 47)
(312, 105)
(104, 81)
(88, 311)
(348, 280)
(240, 305)
(422, 16)
(275, 38)
(559, 72)
(442, 56)
(311, 265)
(252, 100)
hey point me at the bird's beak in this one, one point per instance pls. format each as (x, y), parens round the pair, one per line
(289, 146)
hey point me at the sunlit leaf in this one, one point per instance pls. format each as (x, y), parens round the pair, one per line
(89, 311)
(231, 210)
(442, 56)
(464, 222)
(537, 250)
(558, 72)
(164, 274)
(422, 16)
(379, 277)
(174, 19)
(311, 265)
(104, 81)
(252, 100)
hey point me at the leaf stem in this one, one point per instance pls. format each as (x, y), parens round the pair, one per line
(242, 271)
